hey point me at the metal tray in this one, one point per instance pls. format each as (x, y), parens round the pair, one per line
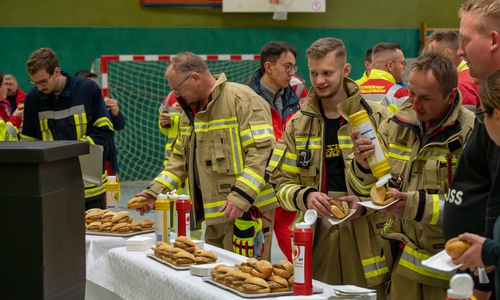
(316, 290)
(120, 234)
(153, 257)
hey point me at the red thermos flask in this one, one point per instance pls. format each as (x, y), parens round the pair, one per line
(302, 253)
(183, 207)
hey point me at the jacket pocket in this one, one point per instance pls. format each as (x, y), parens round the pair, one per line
(79, 122)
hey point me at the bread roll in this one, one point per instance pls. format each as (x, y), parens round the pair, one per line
(455, 247)
(137, 202)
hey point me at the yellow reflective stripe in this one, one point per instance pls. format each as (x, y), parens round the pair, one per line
(345, 142)
(47, 135)
(101, 122)
(88, 138)
(170, 180)
(276, 157)
(215, 124)
(79, 125)
(290, 163)
(435, 209)
(374, 266)
(314, 143)
(265, 197)
(433, 153)
(412, 260)
(262, 132)
(252, 180)
(284, 194)
(211, 210)
(186, 130)
(92, 190)
(364, 189)
(27, 138)
(236, 150)
(178, 147)
(246, 137)
(399, 152)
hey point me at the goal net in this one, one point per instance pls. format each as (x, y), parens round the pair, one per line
(137, 82)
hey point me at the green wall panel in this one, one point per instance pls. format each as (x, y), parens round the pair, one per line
(77, 47)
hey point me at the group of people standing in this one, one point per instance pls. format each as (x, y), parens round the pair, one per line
(257, 153)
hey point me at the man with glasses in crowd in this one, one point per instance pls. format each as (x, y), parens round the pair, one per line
(389, 65)
(62, 107)
(272, 82)
(224, 142)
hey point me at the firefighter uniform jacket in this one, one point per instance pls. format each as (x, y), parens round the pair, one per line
(223, 150)
(382, 88)
(426, 165)
(77, 113)
(293, 184)
(9, 129)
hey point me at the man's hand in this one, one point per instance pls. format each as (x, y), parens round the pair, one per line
(320, 202)
(164, 119)
(362, 148)
(113, 106)
(353, 202)
(398, 208)
(231, 210)
(18, 113)
(151, 203)
(471, 259)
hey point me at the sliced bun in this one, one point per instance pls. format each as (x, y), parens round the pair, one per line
(185, 243)
(283, 269)
(455, 247)
(206, 257)
(137, 202)
(147, 224)
(106, 226)
(119, 216)
(254, 285)
(120, 228)
(381, 196)
(264, 269)
(94, 226)
(339, 209)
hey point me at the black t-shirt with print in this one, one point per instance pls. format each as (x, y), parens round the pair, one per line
(335, 175)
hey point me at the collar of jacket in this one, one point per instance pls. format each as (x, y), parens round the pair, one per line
(407, 115)
(346, 107)
(381, 74)
(462, 66)
(66, 92)
(289, 98)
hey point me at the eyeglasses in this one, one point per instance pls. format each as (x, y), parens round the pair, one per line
(42, 82)
(288, 68)
(480, 115)
(176, 89)
(404, 63)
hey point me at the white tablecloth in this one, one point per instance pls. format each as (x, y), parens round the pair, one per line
(132, 275)
(97, 245)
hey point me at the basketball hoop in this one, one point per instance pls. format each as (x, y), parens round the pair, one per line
(280, 9)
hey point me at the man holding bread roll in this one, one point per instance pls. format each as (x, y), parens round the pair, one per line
(224, 142)
(423, 140)
(308, 168)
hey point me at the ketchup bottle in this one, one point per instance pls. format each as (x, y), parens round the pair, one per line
(302, 255)
(461, 286)
(183, 206)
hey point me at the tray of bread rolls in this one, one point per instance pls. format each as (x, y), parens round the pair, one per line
(255, 279)
(182, 255)
(108, 223)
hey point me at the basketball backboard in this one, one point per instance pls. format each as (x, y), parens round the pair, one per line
(260, 6)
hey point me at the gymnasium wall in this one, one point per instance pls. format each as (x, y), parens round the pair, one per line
(81, 30)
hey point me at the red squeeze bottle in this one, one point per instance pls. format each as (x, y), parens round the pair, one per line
(302, 253)
(183, 206)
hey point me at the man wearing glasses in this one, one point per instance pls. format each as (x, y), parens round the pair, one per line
(389, 66)
(62, 107)
(225, 139)
(272, 82)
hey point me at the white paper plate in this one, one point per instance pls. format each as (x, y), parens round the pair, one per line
(335, 221)
(441, 262)
(351, 290)
(370, 204)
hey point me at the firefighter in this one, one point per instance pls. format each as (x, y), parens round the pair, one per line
(225, 139)
(423, 140)
(308, 168)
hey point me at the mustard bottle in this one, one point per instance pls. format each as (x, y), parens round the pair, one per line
(378, 162)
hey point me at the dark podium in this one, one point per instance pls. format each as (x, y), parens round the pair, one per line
(42, 203)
